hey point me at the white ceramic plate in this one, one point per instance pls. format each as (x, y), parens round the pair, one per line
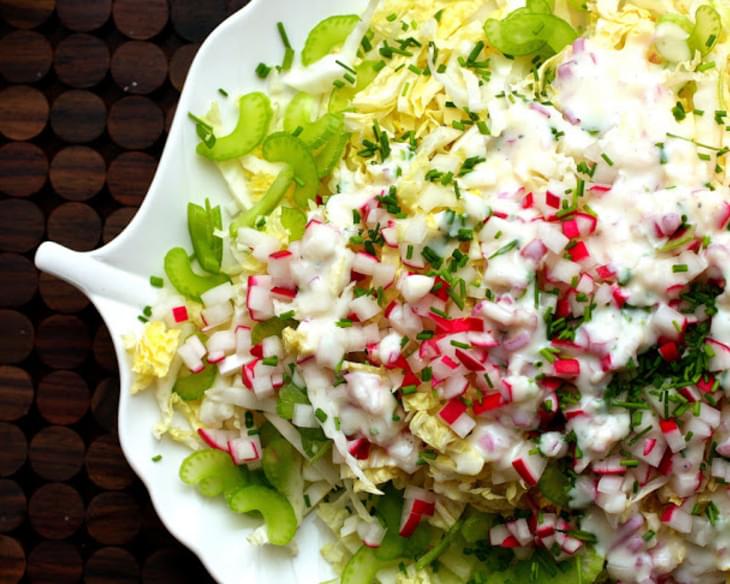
(116, 279)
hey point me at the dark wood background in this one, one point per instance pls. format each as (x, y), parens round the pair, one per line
(87, 91)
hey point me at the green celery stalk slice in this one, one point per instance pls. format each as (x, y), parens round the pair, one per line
(194, 386)
(707, 29)
(254, 117)
(182, 277)
(362, 567)
(283, 147)
(327, 35)
(341, 97)
(300, 111)
(266, 204)
(294, 221)
(207, 247)
(330, 154)
(281, 523)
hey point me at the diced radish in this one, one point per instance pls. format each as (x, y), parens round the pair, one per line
(676, 518)
(429, 349)
(463, 425)
(180, 313)
(650, 450)
(468, 360)
(535, 250)
(570, 545)
(520, 529)
(672, 435)
(579, 252)
(390, 234)
(720, 360)
(454, 386)
(245, 449)
(609, 466)
(697, 429)
(706, 384)
(488, 403)
(669, 351)
(724, 216)
(415, 286)
(482, 340)
(217, 439)
(372, 533)
(192, 352)
(529, 466)
(691, 394)
(384, 275)
(606, 272)
(284, 294)
(528, 201)
(408, 524)
(243, 340)
(279, 267)
(457, 325)
(216, 315)
(231, 364)
(564, 271)
(359, 448)
(258, 298)
(444, 367)
(303, 416)
(668, 322)
(365, 307)
(499, 535)
(217, 295)
(721, 469)
(619, 296)
(552, 200)
(568, 368)
(364, 263)
(220, 344)
(551, 237)
(710, 416)
(451, 411)
(247, 372)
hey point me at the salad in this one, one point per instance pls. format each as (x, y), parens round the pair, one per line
(466, 303)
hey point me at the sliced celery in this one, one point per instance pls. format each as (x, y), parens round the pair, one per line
(270, 328)
(327, 35)
(330, 154)
(182, 277)
(300, 111)
(319, 132)
(266, 204)
(194, 386)
(341, 98)
(362, 567)
(283, 147)
(524, 32)
(202, 222)
(294, 221)
(539, 6)
(289, 396)
(281, 523)
(707, 30)
(213, 472)
(254, 117)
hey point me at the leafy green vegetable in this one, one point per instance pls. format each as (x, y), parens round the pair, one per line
(314, 443)
(270, 328)
(555, 484)
(289, 395)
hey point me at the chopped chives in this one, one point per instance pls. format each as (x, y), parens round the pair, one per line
(344, 323)
(607, 159)
(157, 458)
(679, 268)
(156, 282)
(263, 70)
(408, 389)
(147, 311)
(288, 50)
(321, 415)
(271, 361)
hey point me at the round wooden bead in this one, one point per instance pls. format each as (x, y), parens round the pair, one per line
(16, 336)
(180, 64)
(78, 116)
(56, 453)
(13, 506)
(14, 450)
(26, 13)
(77, 173)
(19, 277)
(113, 518)
(135, 122)
(105, 403)
(116, 222)
(140, 19)
(12, 560)
(54, 562)
(81, 60)
(111, 565)
(139, 67)
(194, 20)
(62, 341)
(173, 565)
(23, 169)
(21, 225)
(129, 177)
(103, 347)
(61, 296)
(106, 465)
(16, 393)
(25, 56)
(56, 511)
(63, 397)
(82, 15)
(23, 112)
(75, 225)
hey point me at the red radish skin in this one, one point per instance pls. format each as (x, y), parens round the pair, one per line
(452, 410)
(180, 314)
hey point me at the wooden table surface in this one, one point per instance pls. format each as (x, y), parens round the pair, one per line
(87, 91)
